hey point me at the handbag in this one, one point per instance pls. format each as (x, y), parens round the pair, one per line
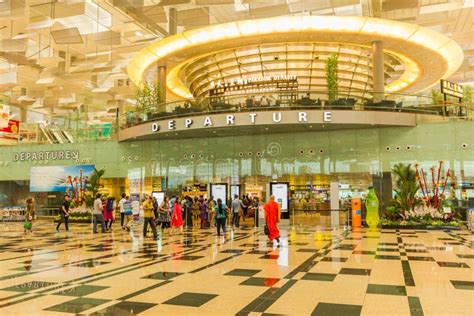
(265, 229)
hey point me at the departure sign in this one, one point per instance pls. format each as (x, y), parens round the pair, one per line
(451, 89)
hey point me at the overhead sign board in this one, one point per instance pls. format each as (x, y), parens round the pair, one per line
(452, 89)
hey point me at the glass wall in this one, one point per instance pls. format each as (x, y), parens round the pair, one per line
(309, 161)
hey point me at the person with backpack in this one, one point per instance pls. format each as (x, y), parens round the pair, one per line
(221, 215)
(64, 212)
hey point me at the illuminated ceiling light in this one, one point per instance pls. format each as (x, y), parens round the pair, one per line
(417, 46)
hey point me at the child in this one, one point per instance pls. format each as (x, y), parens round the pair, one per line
(28, 224)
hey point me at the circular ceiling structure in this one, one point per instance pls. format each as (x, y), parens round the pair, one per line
(305, 61)
(420, 57)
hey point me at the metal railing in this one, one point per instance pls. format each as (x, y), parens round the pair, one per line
(270, 100)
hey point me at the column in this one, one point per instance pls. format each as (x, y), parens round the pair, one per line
(334, 198)
(161, 77)
(173, 21)
(378, 70)
(23, 115)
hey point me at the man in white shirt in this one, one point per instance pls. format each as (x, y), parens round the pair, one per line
(122, 210)
(236, 206)
(97, 214)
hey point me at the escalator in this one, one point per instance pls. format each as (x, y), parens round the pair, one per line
(54, 135)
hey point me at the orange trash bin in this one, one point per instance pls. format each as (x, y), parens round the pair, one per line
(356, 212)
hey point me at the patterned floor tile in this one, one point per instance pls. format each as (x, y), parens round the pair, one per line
(78, 305)
(327, 309)
(453, 264)
(191, 299)
(319, 276)
(253, 281)
(463, 285)
(162, 275)
(124, 308)
(386, 289)
(353, 271)
(243, 272)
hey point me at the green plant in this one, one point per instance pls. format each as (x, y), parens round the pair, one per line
(436, 97)
(331, 76)
(467, 98)
(93, 186)
(406, 188)
(149, 95)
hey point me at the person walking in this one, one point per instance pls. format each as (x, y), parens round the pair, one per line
(64, 212)
(97, 215)
(177, 216)
(164, 216)
(127, 207)
(203, 214)
(121, 209)
(109, 213)
(212, 210)
(221, 211)
(272, 218)
(196, 207)
(236, 207)
(29, 215)
(149, 217)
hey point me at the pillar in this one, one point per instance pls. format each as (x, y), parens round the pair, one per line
(378, 70)
(161, 77)
(23, 115)
(173, 21)
(334, 198)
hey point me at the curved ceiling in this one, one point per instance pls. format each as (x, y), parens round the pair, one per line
(305, 61)
(420, 49)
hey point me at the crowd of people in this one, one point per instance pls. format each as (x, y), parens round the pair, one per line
(171, 214)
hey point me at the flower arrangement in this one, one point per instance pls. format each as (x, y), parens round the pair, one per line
(431, 209)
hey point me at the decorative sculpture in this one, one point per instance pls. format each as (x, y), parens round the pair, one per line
(372, 204)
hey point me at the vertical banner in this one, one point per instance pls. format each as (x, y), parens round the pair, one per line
(136, 181)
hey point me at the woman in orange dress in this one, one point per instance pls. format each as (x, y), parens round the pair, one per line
(177, 216)
(272, 218)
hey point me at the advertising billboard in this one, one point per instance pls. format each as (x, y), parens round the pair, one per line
(60, 178)
(219, 191)
(280, 191)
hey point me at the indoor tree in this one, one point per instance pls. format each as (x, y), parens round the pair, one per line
(93, 186)
(406, 189)
(436, 97)
(149, 95)
(331, 76)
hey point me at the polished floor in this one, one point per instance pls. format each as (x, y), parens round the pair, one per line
(387, 272)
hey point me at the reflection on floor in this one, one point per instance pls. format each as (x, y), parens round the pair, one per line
(385, 272)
